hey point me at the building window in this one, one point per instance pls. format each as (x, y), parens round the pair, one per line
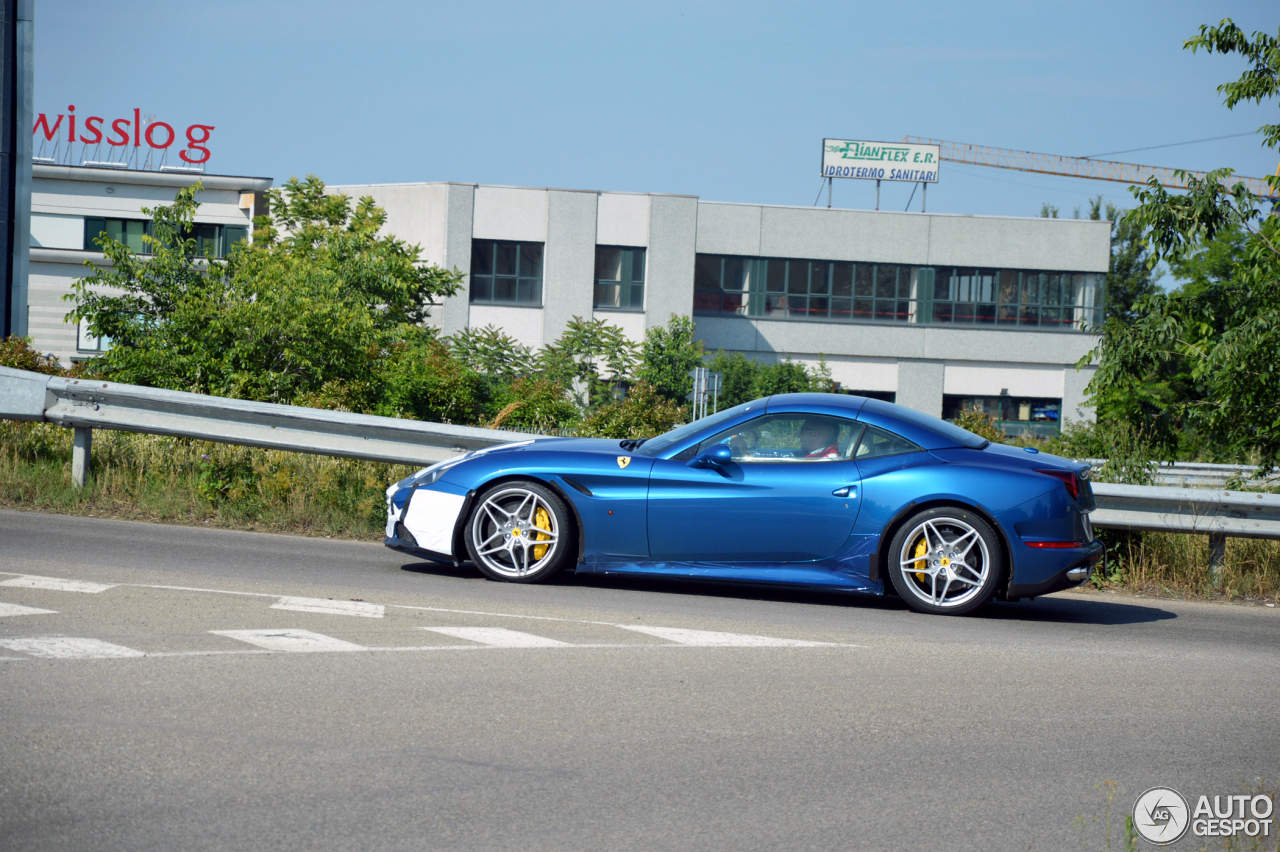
(785, 288)
(506, 273)
(1012, 297)
(1015, 415)
(619, 278)
(87, 343)
(217, 239)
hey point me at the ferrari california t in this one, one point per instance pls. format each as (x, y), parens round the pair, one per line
(823, 491)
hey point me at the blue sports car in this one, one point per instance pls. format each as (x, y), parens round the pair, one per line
(823, 491)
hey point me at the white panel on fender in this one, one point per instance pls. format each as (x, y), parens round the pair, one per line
(431, 518)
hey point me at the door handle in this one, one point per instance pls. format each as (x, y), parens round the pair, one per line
(847, 491)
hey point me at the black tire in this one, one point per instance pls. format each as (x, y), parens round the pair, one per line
(945, 561)
(498, 532)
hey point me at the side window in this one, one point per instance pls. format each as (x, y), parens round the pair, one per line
(789, 438)
(878, 442)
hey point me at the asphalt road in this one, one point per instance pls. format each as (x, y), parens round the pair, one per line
(171, 688)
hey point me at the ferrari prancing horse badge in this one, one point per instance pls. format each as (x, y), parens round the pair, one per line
(623, 461)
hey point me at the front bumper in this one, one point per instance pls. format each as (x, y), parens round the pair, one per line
(403, 541)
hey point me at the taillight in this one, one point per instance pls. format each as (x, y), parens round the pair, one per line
(1068, 479)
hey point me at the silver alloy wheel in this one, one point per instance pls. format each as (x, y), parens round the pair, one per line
(945, 562)
(516, 532)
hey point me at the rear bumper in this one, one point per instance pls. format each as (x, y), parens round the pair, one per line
(1054, 570)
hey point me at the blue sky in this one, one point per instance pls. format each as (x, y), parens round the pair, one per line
(727, 101)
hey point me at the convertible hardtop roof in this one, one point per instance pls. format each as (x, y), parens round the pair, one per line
(931, 433)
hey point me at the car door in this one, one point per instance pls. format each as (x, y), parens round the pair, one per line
(775, 501)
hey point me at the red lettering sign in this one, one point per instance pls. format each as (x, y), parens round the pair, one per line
(124, 131)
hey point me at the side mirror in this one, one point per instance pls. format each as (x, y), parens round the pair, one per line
(716, 456)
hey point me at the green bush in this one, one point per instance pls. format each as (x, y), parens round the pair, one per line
(643, 414)
(18, 353)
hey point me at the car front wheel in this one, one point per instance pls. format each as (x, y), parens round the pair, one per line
(519, 532)
(945, 560)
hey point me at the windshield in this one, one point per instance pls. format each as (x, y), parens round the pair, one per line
(653, 446)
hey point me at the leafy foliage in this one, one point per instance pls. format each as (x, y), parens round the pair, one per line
(667, 355)
(594, 353)
(746, 379)
(492, 352)
(1225, 330)
(319, 300)
(18, 353)
(643, 414)
(977, 421)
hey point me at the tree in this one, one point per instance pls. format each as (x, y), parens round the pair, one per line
(1131, 273)
(319, 306)
(1212, 261)
(666, 357)
(492, 352)
(1227, 330)
(594, 353)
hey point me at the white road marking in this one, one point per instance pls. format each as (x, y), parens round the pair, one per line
(57, 584)
(68, 647)
(290, 640)
(15, 609)
(712, 639)
(324, 606)
(499, 637)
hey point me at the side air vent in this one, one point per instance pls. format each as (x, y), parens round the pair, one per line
(577, 486)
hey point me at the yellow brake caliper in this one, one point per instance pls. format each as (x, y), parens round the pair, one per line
(921, 549)
(542, 520)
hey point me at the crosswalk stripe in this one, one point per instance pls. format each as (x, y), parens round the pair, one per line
(68, 647)
(290, 640)
(15, 609)
(323, 606)
(57, 584)
(499, 637)
(712, 639)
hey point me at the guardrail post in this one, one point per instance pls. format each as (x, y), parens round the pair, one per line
(81, 455)
(1217, 555)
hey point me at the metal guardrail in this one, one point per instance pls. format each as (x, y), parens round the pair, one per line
(1201, 474)
(86, 405)
(1198, 511)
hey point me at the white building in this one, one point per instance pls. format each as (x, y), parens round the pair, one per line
(71, 205)
(934, 311)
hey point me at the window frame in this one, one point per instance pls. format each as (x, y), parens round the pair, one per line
(219, 240)
(801, 289)
(628, 284)
(869, 428)
(492, 278)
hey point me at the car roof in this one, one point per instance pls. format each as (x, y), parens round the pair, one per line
(930, 433)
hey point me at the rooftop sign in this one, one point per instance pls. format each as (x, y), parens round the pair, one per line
(130, 132)
(844, 158)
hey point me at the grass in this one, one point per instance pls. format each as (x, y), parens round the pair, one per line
(180, 481)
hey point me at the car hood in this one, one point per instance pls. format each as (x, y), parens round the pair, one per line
(595, 446)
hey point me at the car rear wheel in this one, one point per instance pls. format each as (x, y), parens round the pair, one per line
(945, 560)
(519, 532)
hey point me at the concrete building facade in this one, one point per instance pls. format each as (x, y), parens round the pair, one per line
(933, 311)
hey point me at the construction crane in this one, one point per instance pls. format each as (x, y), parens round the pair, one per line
(1082, 167)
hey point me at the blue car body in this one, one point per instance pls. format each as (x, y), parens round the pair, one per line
(653, 510)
